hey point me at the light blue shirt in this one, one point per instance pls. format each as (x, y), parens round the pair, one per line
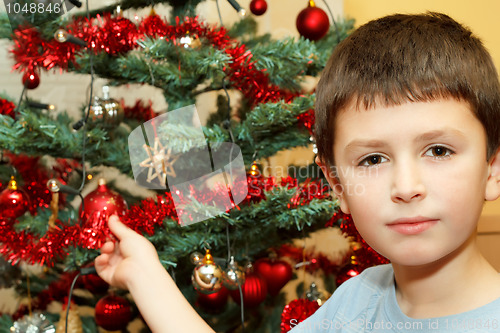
(367, 303)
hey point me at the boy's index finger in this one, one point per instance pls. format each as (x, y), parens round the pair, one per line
(118, 229)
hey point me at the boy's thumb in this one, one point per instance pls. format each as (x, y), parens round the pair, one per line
(117, 227)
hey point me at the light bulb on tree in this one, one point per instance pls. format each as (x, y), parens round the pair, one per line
(242, 12)
(63, 36)
(42, 106)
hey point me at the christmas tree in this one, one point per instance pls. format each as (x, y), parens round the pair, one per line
(202, 231)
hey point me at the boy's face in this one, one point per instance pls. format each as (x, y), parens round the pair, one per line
(414, 177)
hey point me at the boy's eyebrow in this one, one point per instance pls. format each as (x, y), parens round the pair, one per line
(427, 136)
(439, 133)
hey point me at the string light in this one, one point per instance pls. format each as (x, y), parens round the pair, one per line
(62, 36)
(237, 7)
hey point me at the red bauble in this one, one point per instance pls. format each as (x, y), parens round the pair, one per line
(277, 273)
(258, 7)
(104, 201)
(295, 312)
(348, 271)
(14, 201)
(312, 23)
(254, 291)
(113, 313)
(94, 283)
(213, 302)
(31, 79)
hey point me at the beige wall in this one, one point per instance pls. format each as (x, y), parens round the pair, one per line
(481, 16)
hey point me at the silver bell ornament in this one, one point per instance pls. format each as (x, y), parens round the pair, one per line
(207, 275)
(233, 276)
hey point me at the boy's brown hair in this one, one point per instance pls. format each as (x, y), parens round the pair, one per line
(407, 58)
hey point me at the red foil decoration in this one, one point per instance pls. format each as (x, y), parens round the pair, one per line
(139, 111)
(153, 26)
(295, 312)
(113, 313)
(254, 291)
(276, 272)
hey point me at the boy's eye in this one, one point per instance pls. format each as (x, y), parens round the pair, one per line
(438, 151)
(372, 160)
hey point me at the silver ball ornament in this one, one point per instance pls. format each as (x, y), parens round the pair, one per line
(233, 276)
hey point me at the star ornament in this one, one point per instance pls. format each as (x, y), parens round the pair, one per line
(159, 162)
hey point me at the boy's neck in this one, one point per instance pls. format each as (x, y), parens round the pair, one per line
(455, 284)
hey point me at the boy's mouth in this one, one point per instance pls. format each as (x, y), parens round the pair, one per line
(412, 225)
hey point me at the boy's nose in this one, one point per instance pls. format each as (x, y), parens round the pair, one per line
(407, 183)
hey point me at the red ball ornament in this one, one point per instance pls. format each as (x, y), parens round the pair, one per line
(254, 291)
(258, 7)
(213, 302)
(113, 313)
(277, 273)
(14, 201)
(348, 271)
(312, 22)
(104, 201)
(94, 283)
(296, 311)
(31, 80)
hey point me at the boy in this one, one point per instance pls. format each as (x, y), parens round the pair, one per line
(408, 136)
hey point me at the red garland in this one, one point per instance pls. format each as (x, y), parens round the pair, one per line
(295, 312)
(366, 256)
(139, 111)
(118, 35)
(144, 217)
(7, 108)
(153, 26)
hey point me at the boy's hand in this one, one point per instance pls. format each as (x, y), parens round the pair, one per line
(119, 262)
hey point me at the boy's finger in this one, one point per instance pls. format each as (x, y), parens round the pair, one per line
(108, 247)
(118, 229)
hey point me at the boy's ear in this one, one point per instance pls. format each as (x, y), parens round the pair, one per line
(493, 183)
(334, 182)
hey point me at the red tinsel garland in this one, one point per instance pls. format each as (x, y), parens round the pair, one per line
(139, 111)
(295, 312)
(119, 35)
(7, 108)
(145, 217)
